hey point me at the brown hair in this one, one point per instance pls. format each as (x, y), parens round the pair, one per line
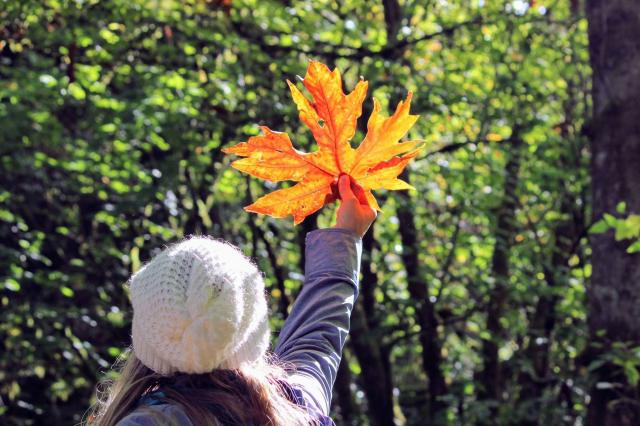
(250, 395)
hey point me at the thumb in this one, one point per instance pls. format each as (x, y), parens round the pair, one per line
(344, 186)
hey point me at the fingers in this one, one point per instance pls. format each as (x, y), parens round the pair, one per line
(344, 186)
(360, 194)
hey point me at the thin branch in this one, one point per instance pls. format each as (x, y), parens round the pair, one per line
(283, 300)
(331, 51)
(456, 146)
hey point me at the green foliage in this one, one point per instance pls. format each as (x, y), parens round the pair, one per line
(626, 228)
(113, 116)
(624, 356)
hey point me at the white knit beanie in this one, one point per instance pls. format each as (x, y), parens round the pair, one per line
(197, 306)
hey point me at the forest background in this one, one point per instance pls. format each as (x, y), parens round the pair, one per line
(504, 290)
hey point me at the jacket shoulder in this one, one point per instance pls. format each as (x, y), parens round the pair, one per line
(156, 415)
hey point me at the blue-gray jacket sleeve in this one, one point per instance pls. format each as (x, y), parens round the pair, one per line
(315, 331)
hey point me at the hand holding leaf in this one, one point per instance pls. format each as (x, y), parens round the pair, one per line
(332, 119)
(354, 212)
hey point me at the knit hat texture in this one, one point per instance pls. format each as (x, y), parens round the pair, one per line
(197, 306)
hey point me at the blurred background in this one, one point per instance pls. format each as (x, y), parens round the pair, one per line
(472, 309)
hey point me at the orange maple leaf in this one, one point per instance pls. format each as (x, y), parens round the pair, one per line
(332, 118)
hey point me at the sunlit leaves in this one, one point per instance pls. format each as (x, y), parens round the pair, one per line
(136, 165)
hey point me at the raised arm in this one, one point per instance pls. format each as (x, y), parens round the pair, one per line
(315, 332)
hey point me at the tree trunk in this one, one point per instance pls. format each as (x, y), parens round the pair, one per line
(425, 309)
(369, 279)
(392, 19)
(375, 383)
(344, 397)
(614, 292)
(491, 377)
(367, 346)
(534, 382)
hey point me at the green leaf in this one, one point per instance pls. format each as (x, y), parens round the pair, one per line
(599, 227)
(610, 219)
(628, 228)
(12, 285)
(158, 141)
(634, 248)
(77, 92)
(39, 371)
(66, 291)
(119, 187)
(47, 80)
(109, 36)
(108, 128)
(631, 371)
(134, 255)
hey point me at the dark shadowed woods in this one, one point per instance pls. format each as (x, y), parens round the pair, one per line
(504, 290)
